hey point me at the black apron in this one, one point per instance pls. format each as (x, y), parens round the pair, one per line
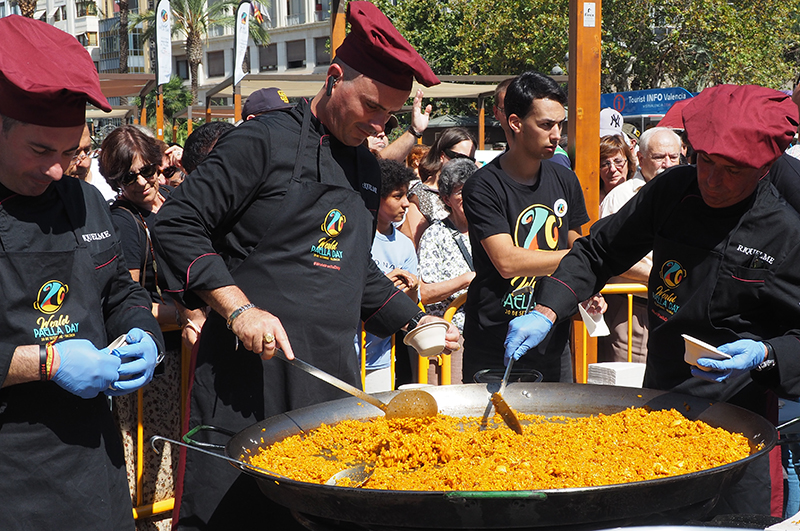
(685, 285)
(308, 270)
(61, 454)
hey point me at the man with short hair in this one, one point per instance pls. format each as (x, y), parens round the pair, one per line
(659, 150)
(201, 142)
(524, 213)
(274, 231)
(559, 157)
(82, 164)
(66, 295)
(725, 255)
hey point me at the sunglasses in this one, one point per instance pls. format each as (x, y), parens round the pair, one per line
(147, 172)
(169, 171)
(456, 155)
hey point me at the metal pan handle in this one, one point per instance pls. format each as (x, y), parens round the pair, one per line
(241, 464)
(198, 444)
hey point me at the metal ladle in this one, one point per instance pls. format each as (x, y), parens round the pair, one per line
(497, 400)
(410, 403)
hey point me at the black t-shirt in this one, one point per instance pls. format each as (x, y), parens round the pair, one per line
(539, 216)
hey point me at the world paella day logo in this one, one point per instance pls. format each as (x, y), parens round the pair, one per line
(672, 273)
(327, 246)
(49, 300)
(535, 223)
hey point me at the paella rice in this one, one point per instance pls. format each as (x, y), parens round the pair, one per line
(449, 453)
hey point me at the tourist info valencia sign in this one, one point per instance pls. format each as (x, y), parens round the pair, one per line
(637, 102)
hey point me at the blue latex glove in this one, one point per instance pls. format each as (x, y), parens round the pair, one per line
(139, 359)
(746, 355)
(84, 370)
(524, 333)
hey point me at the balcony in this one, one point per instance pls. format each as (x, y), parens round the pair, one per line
(294, 20)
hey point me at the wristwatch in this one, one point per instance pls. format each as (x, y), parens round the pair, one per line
(412, 324)
(413, 131)
(770, 361)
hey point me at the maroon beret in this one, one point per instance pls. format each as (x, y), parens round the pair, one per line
(376, 49)
(50, 77)
(748, 125)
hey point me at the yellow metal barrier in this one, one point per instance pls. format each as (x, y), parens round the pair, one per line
(444, 361)
(583, 353)
(163, 506)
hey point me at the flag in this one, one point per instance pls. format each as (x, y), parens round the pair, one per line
(259, 10)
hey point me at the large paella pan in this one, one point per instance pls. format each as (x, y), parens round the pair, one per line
(689, 495)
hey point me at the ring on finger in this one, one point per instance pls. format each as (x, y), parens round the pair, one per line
(269, 338)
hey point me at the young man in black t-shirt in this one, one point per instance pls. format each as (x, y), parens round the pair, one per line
(524, 214)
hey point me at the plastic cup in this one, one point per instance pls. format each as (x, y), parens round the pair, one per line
(427, 339)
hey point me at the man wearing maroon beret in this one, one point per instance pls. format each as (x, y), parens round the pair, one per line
(273, 231)
(725, 254)
(66, 294)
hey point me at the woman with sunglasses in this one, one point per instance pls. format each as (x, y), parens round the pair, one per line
(426, 206)
(616, 163)
(130, 161)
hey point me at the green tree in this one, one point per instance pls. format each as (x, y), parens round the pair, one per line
(176, 99)
(698, 43)
(193, 19)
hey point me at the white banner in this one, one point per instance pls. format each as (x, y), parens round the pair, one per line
(164, 41)
(242, 33)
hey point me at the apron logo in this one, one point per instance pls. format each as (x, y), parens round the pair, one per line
(334, 223)
(51, 296)
(672, 273)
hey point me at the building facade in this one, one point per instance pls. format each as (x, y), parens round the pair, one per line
(299, 38)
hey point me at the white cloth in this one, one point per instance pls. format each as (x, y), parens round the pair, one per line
(99, 182)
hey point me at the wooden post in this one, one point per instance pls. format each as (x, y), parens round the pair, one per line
(584, 124)
(160, 113)
(481, 121)
(338, 23)
(237, 103)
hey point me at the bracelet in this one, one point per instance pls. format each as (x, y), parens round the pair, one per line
(46, 358)
(43, 362)
(414, 132)
(237, 312)
(191, 324)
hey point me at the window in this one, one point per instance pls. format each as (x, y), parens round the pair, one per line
(296, 54)
(2, 10)
(182, 67)
(322, 54)
(295, 12)
(60, 13)
(86, 9)
(322, 11)
(268, 57)
(88, 39)
(216, 64)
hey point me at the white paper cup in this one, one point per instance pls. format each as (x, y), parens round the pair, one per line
(700, 349)
(427, 339)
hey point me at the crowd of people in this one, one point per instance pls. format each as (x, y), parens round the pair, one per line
(305, 231)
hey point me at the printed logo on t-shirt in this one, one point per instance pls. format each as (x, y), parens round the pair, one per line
(560, 208)
(49, 300)
(536, 228)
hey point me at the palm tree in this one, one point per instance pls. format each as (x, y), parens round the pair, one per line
(193, 19)
(27, 8)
